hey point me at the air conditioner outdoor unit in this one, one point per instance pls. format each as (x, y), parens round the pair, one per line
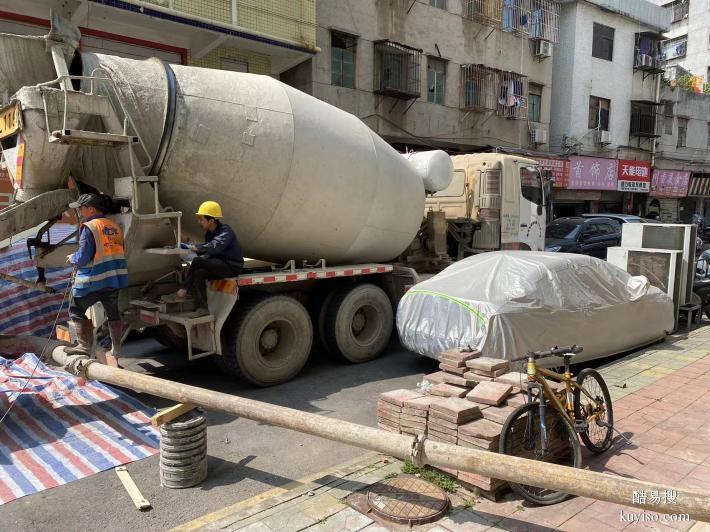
(644, 60)
(539, 136)
(543, 49)
(604, 137)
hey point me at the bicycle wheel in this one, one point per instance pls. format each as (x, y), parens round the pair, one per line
(521, 437)
(597, 412)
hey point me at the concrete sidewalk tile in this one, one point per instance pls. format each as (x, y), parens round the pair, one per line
(607, 513)
(321, 506)
(346, 520)
(690, 449)
(376, 527)
(700, 527)
(519, 522)
(463, 520)
(289, 520)
(581, 523)
(254, 527)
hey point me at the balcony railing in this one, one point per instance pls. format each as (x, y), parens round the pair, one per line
(483, 11)
(644, 125)
(397, 70)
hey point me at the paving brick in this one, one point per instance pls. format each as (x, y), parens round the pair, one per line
(490, 393)
(448, 390)
(453, 369)
(493, 374)
(443, 423)
(423, 402)
(487, 363)
(475, 377)
(459, 380)
(346, 520)
(398, 397)
(437, 436)
(481, 428)
(515, 378)
(415, 412)
(448, 361)
(460, 409)
(499, 414)
(516, 400)
(477, 443)
(481, 481)
(440, 429)
(435, 377)
(458, 354)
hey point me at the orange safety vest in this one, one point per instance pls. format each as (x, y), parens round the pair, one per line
(108, 268)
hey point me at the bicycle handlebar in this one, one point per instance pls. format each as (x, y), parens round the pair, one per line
(573, 349)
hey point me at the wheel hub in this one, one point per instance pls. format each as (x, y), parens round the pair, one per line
(359, 322)
(269, 339)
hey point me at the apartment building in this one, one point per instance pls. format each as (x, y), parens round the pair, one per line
(687, 50)
(453, 74)
(259, 36)
(606, 93)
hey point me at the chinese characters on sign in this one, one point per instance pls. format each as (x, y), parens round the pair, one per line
(654, 497)
(669, 183)
(634, 176)
(559, 169)
(592, 173)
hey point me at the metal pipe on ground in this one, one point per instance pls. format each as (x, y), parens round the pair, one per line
(580, 482)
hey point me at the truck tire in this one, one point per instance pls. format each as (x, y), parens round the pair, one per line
(358, 322)
(164, 335)
(269, 340)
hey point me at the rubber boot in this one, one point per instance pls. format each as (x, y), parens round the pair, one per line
(115, 329)
(84, 336)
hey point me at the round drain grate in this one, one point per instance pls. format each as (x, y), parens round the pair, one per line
(407, 499)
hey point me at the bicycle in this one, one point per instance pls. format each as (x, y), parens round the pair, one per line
(536, 431)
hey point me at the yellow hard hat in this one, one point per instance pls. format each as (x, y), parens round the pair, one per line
(210, 208)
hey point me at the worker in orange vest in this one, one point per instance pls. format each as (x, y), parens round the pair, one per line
(101, 272)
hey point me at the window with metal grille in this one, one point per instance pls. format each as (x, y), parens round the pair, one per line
(675, 47)
(668, 118)
(479, 88)
(512, 95)
(534, 102)
(516, 16)
(599, 113)
(483, 11)
(680, 10)
(436, 80)
(397, 70)
(643, 120)
(342, 59)
(682, 133)
(603, 42)
(441, 4)
(544, 20)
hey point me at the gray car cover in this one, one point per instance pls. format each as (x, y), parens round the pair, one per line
(508, 303)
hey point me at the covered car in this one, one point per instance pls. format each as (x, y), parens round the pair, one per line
(507, 303)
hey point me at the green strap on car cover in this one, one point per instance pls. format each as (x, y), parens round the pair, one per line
(481, 317)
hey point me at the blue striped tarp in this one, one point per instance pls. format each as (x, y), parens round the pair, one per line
(27, 311)
(63, 428)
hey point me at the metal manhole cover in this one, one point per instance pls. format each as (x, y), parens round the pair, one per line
(407, 499)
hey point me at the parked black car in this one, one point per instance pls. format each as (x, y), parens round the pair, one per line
(589, 236)
(621, 218)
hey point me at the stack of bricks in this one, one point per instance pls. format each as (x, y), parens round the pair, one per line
(445, 417)
(415, 414)
(469, 401)
(389, 409)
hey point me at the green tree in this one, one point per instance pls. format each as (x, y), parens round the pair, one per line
(685, 82)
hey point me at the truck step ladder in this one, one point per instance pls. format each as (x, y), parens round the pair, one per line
(93, 138)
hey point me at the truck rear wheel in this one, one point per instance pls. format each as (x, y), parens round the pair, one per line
(166, 336)
(270, 340)
(358, 322)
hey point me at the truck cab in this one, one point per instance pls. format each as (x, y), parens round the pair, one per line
(495, 201)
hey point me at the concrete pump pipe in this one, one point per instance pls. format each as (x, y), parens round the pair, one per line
(520, 470)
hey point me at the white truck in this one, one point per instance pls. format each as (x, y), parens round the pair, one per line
(322, 203)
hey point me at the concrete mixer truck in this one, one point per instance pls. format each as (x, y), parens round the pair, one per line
(322, 203)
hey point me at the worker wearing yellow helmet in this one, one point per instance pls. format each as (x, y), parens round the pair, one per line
(218, 258)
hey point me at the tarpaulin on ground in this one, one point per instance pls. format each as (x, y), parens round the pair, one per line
(27, 311)
(507, 303)
(63, 428)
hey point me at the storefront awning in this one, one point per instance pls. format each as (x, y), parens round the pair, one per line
(699, 187)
